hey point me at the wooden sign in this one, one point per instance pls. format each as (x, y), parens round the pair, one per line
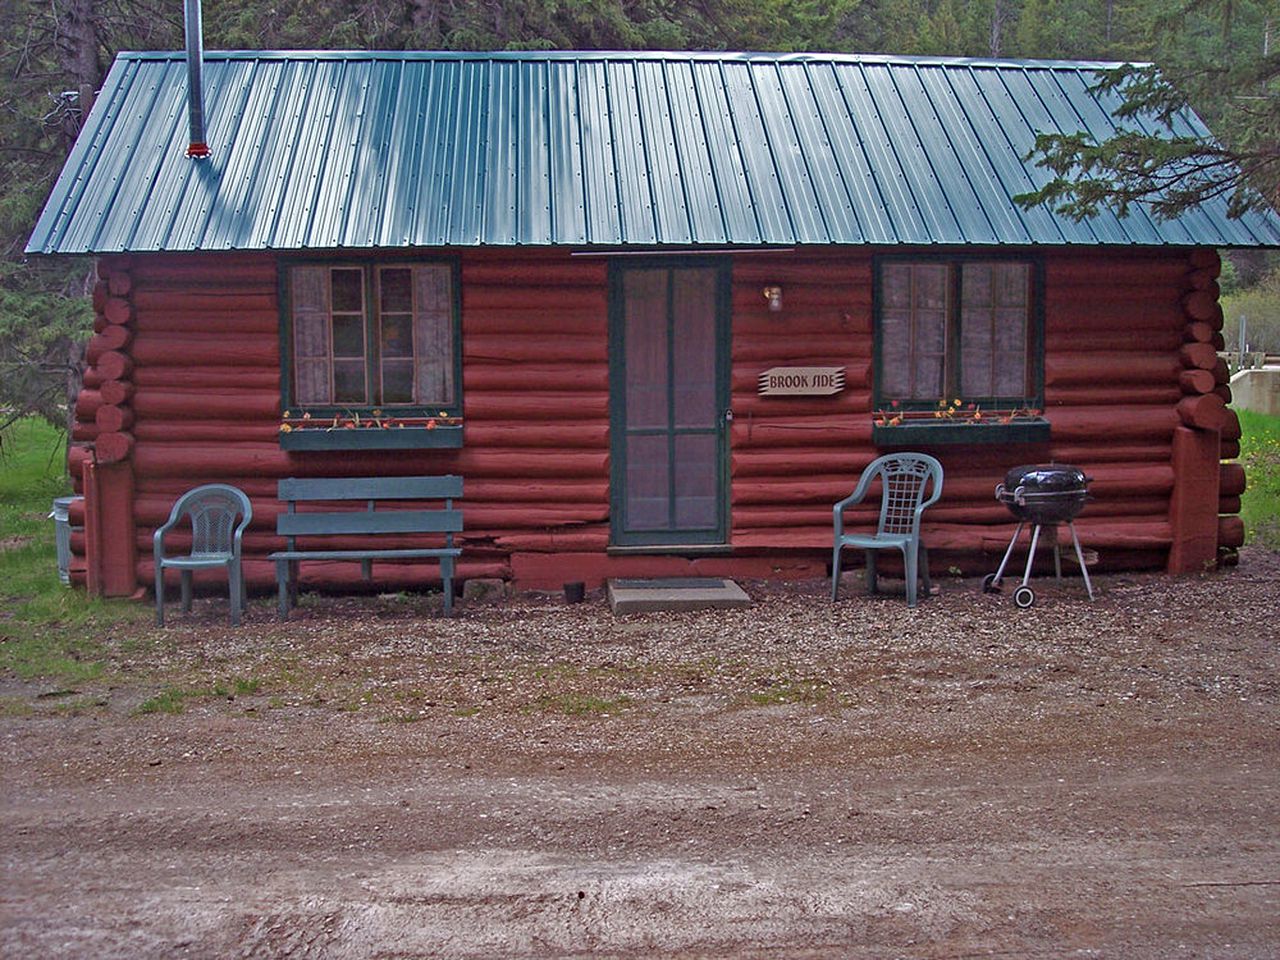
(801, 381)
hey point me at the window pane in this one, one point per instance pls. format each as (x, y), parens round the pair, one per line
(397, 290)
(348, 290)
(397, 381)
(397, 336)
(348, 336)
(349, 382)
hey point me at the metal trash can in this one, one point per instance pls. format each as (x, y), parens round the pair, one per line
(62, 535)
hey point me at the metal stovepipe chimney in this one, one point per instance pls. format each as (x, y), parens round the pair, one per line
(197, 149)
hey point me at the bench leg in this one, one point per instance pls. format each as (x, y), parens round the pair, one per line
(186, 591)
(446, 575)
(282, 589)
(159, 594)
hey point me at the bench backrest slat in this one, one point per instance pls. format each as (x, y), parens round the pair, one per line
(371, 488)
(363, 522)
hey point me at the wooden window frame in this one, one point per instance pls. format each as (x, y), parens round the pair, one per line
(446, 433)
(926, 430)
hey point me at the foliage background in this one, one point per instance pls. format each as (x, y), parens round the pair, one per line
(56, 54)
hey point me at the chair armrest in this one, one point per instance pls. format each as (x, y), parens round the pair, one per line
(932, 499)
(864, 484)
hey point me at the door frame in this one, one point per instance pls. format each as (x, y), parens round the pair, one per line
(618, 537)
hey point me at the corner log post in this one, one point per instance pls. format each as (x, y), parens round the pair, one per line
(100, 458)
(1206, 491)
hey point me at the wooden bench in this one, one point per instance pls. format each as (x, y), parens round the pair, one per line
(370, 522)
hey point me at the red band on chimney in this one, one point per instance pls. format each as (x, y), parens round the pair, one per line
(198, 151)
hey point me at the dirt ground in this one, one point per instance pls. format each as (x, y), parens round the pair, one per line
(532, 779)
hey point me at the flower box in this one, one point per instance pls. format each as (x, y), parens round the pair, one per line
(373, 438)
(926, 433)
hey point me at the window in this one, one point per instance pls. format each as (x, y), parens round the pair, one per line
(373, 336)
(966, 329)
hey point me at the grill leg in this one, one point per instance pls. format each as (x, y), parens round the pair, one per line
(1084, 571)
(1007, 554)
(1031, 554)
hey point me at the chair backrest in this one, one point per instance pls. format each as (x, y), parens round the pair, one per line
(905, 478)
(214, 510)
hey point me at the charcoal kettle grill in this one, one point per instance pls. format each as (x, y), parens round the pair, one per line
(1041, 495)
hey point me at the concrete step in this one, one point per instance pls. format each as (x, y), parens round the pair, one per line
(680, 593)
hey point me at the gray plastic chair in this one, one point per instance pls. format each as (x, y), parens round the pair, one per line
(215, 542)
(906, 477)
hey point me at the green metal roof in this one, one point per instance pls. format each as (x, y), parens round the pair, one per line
(324, 150)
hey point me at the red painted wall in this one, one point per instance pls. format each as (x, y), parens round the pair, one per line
(184, 385)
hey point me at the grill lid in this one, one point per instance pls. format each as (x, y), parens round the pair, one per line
(1046, 478)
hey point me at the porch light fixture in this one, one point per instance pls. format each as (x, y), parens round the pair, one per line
(773, 297)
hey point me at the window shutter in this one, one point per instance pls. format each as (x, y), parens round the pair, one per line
(433, 335)
(312, 350)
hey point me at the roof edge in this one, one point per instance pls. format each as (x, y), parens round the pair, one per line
(580, 55)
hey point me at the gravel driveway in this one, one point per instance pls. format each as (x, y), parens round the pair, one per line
(800, 779)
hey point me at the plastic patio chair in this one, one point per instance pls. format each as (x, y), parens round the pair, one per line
(906, 477)
(215, 542)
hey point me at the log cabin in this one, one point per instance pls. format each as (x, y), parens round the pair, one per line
(658, 309)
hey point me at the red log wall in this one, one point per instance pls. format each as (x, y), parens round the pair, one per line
(188, 392)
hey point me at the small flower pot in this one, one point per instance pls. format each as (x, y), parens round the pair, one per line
(575, 592)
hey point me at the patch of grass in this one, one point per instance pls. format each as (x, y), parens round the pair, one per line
(173, 699)
(46, 629)
(808, 692)
(167, 701)
(15, 707)
(580, 704)
(1260, 454)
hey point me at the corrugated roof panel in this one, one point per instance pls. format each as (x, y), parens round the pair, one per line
(937, 140)
(724, 151)
(326, 150)
(110, 179)
(1050, 110)
(813, 146)
(537, 195)
(240, 166)
(902, 141)
(970, 154)
(150, 171)
(867, 206)
(666, 176)
(1019, 115)
(568, 192)
(789, 158)
(702, 204)
(501, 190)
(1139, 224)
(635, 193)
(757, 155)
(599, 168)
(374, 158)
(998, 129)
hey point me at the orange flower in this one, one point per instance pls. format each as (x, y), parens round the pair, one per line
(285, 428)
